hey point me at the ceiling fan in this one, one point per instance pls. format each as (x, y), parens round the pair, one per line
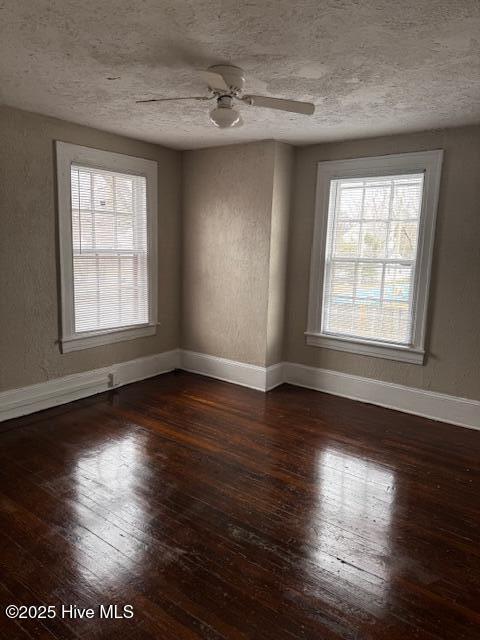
(225, 85)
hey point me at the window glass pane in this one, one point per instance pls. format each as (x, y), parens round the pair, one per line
(103, 192)
(343, 279)
(125, 232)
(366, 319)
(398, 283)
(395, 324)
(346, 239)
(85, 287)
(341, 316)
(124, 194)
(86, 230)
(377, 201)
(374, 238)
(402, 239)
(104, 231)
(407, 198)
(369, 281)
(350, 201)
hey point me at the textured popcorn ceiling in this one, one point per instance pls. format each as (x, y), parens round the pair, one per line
(370, 66)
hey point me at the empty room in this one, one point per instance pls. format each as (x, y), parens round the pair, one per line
(240, 320)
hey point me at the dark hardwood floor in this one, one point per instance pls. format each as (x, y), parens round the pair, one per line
(220, 512)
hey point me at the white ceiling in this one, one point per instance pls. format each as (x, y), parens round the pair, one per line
(371, 66)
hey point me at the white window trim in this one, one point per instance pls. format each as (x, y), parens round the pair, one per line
(66, 155)
(427, 162)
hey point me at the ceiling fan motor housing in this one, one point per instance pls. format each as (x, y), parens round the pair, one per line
(224, 102)
(233, 76)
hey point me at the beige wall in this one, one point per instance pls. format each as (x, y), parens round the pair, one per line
(227, 200)
(281, 196)
(453, 340)
(235, 221)
(29, 325)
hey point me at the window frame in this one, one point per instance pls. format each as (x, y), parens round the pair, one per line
(66, 155)
(430, 164)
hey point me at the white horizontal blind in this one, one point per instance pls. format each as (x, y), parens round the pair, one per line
(110, 249)
(371, 258)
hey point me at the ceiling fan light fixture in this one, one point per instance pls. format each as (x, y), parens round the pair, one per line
(225, 117)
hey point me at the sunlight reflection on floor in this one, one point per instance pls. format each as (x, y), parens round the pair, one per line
(351, 523)
(107, 481)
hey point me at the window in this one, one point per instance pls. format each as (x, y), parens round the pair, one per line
(107, 223)
(371, 255)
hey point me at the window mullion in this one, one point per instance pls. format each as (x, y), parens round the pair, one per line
(387, 237)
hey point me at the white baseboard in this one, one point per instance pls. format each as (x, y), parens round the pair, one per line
(275, 375)
(20, 402)
(436, 406)
(245, 375)
(429, 404)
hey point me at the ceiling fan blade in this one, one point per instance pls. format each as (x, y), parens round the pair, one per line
(214, 80)
(294, 106)
(182, 98)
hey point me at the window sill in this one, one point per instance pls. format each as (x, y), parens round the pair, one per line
(98, 338)
(367, 348)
